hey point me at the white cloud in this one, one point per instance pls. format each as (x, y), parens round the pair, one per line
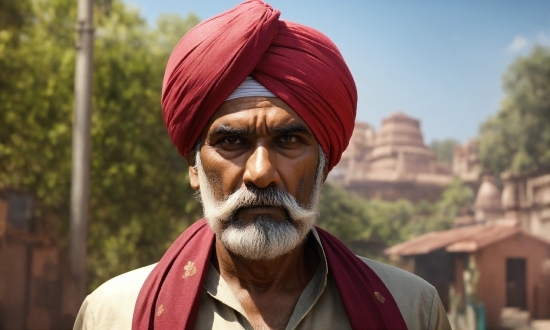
(518, 44)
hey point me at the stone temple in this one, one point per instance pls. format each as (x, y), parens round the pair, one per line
(392, 163)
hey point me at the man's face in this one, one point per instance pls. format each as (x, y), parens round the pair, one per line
(259, 176)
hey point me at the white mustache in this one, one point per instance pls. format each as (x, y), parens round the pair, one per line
(250, 197)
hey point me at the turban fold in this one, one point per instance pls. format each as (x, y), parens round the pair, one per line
(297, 63)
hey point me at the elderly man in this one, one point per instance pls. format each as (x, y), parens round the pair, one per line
(261, 109)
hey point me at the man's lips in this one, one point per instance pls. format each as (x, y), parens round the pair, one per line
(261, 210)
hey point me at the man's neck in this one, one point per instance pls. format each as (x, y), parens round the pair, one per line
(289, 272)
(268, 290)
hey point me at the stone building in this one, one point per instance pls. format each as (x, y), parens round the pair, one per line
(392, 163)
(355, 157)
(35, 292)
(526, 200)
(466, 163)
(488, 203)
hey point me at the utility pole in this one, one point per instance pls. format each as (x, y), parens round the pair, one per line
(81, 151)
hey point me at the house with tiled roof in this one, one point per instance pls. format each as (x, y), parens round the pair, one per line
(506, 265)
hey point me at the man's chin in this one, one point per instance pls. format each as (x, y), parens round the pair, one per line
(262, 239)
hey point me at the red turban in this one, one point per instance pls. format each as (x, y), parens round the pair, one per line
(297, 63)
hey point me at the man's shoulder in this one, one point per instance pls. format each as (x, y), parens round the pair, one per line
(403, 285)
(417, 299)
(111, 305)
(123, 285)
(393, 276)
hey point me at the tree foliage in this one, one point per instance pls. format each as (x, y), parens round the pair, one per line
(443, 149)
(14, 14)
(517, 138)
(140, 199)
(368, 227)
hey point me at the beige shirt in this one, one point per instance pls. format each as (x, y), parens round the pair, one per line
(111, 306)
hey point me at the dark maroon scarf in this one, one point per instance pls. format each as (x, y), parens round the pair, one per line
(170, 297)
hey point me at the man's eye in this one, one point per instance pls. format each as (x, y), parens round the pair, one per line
(231, 143)
(288, 139)
(232, 140)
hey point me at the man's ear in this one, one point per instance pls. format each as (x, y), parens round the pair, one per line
(193, 171)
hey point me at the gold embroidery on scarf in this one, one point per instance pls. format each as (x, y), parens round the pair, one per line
(160, 310)
(379, 297)
(190, 269)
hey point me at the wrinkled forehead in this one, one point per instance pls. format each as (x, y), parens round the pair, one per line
(258, 111)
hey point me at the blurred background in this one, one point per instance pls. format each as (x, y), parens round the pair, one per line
(447, 174)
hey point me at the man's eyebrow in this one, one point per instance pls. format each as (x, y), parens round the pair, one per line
(292, 129)
(278, 130)
(227, 130)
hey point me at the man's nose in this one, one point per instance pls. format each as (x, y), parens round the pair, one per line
(261, 171)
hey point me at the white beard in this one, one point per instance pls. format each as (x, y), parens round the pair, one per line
(264, 238)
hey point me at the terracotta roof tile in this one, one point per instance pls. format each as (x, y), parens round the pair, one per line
(463, 239)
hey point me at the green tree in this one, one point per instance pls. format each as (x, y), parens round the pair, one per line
(340, 213)
(518, 136)
(390, 222)
(368, 227)
(14, 14)
(140, 199)
(136, 170)
(36, 68)
(457, 199)
(444, 149)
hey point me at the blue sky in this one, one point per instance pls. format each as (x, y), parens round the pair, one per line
(439, 61)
